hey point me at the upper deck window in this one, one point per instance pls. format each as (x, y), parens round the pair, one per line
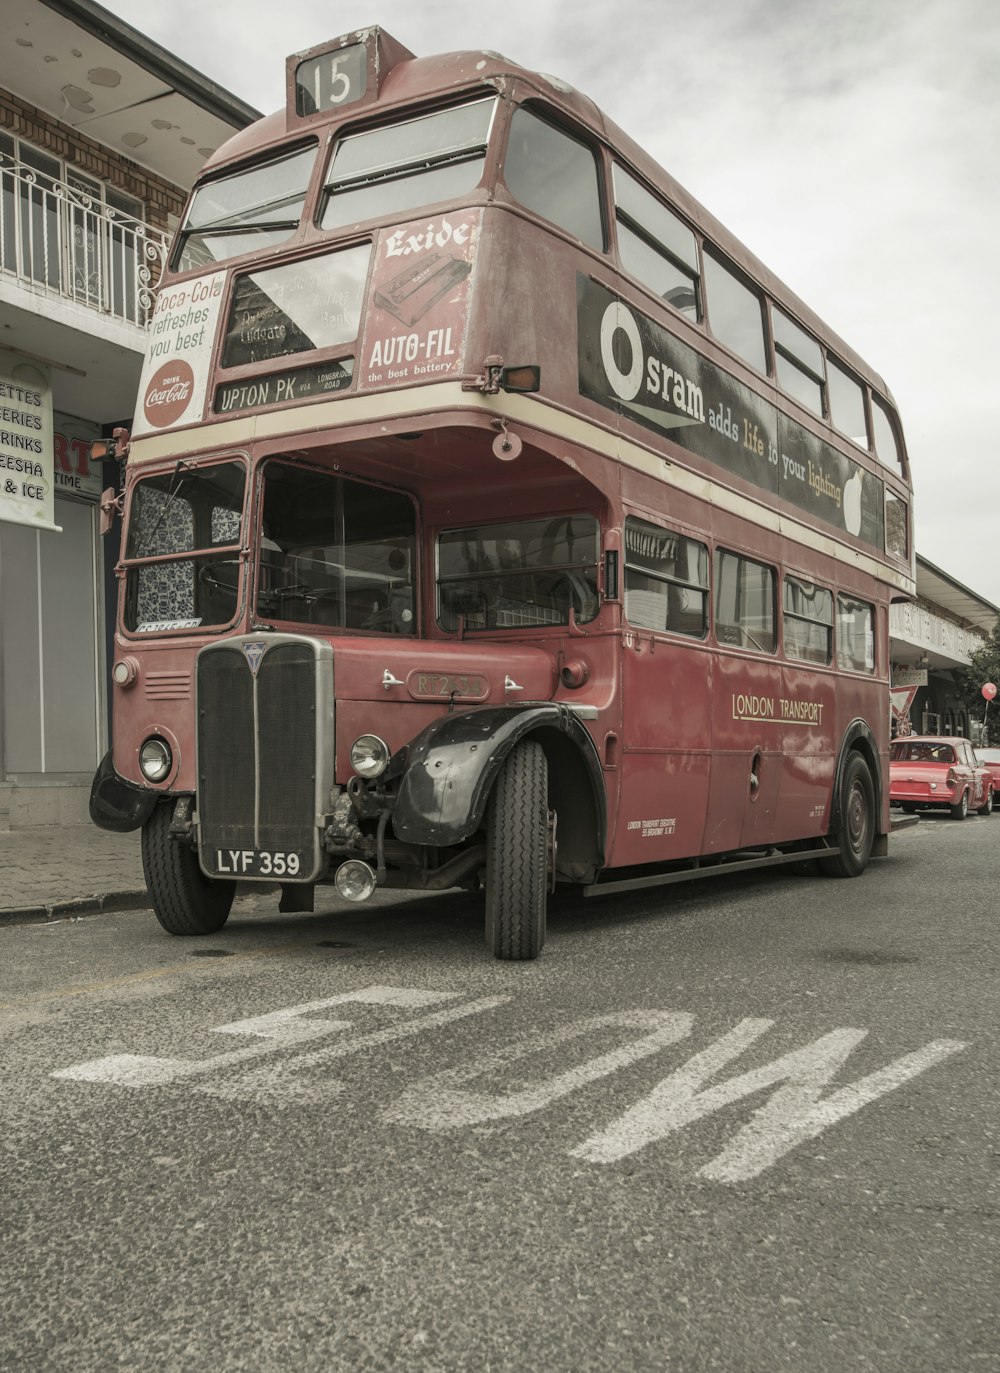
(886, 446)
(403, 166)
(252, 209)
(655, 246)
(734, 313)
(847, 404)
(798, 361)
(555, 175)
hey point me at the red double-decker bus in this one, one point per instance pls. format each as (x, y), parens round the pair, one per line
(492, 518)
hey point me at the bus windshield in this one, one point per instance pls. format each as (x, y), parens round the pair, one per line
(389, 170)
(517, 574)
(255, 208)
(335, 552)
(182, 556)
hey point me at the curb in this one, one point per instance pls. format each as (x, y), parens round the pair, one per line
(82, 905)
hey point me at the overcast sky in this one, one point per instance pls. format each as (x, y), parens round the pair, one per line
(853, 145)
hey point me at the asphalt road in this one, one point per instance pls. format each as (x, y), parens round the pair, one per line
(742, 1125)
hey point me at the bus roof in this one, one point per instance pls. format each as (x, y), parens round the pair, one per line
(406, 81)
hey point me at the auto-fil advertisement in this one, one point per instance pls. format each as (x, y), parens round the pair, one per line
(419, 301)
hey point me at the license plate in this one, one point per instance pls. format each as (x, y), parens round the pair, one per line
(261, 863)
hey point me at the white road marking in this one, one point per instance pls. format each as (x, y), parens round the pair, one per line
(792, 1115)
(287, 1027)
(134, 1070)
(440, 1102)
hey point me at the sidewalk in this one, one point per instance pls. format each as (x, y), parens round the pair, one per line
(47, 871)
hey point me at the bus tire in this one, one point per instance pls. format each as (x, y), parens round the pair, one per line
(961, 810)
(517, 855)
(185, 901)
(857, 821)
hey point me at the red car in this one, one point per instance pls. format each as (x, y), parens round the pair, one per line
(926, 771)
(990, 758)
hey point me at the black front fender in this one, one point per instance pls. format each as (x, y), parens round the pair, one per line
(451, 766)
(116, 804)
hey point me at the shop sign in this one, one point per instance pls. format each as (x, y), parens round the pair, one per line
(27, 486)
(72, 467)
(909, 676)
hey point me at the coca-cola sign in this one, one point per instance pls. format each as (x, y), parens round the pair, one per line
(169, 394)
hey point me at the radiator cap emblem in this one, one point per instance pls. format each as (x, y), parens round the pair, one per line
(254, 653)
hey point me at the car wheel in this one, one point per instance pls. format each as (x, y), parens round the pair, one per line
(857, 821)
(184, 900)
(987, 807)
(517, 855)
(960, 811)
(908, 808)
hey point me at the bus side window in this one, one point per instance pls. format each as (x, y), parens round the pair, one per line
(666, 580)
(734, 313)
(554, 175)
(655, 246)
(807, 622)
(855, 635)
(744, 602)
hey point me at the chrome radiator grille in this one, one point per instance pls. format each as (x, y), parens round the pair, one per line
(264, 748)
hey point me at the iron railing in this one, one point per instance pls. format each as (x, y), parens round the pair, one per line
(64, 240)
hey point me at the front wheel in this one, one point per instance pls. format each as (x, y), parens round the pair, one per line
(961, 810)
(185, 901)
(857, 821)
(516, 855)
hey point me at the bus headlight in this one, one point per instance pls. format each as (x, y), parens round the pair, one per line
(155, 759)
(369, 755)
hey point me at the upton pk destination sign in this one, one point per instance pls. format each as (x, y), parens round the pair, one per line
(632, 365)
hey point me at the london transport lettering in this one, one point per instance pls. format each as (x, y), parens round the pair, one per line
(630, 364)
(750, 707)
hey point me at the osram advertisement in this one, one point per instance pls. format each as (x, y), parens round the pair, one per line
(631, 364)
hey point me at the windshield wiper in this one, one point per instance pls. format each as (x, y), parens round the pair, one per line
(172, 493)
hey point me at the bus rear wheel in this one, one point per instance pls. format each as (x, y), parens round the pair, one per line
(517, 854)
(857, 821)
(185, 901)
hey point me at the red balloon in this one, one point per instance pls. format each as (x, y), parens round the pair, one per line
(989, 690)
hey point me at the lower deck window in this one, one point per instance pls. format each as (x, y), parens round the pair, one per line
(666, 580)
(744, 603)
(521, 573)
(807, 622)
(855, 635)
(335, 552)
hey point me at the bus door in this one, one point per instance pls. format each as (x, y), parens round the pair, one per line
(807, 708)
(666, 693)
(746, 708)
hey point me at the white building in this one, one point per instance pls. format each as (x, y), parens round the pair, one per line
(101, 135)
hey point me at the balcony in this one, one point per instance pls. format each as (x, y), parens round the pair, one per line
(64, 241)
